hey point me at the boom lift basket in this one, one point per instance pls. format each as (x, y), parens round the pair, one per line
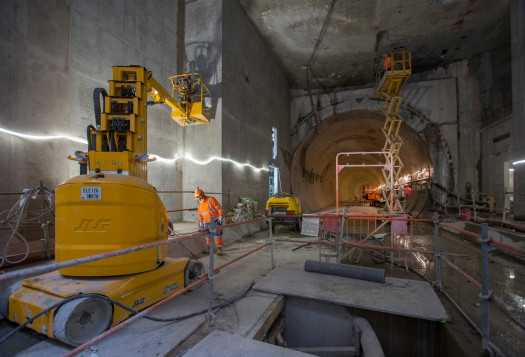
(194, 97)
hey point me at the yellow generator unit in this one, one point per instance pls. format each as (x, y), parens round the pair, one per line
(285, 205)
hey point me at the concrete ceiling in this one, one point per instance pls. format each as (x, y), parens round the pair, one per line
(437, 32)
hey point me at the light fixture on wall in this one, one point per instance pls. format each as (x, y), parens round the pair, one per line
(511, 274)
(518, 162)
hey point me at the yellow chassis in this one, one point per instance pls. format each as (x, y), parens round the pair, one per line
(136, 291)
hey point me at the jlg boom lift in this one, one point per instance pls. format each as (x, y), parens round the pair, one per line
(111, 206)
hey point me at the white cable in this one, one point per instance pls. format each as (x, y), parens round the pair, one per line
(43, 137)
(158, 157)
(206, 161)
(15, 217)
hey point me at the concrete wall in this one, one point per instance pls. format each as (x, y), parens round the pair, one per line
(495, 158)
(255, 98)
(517, 11)
(484, 100)
(493, 71)
(468, 121)
(204, 54)
(429, 108)
(53, 54)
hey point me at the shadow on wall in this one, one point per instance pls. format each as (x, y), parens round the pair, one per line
(203, 58)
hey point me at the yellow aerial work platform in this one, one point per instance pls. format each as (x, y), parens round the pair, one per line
(395, 70)
(111, 206)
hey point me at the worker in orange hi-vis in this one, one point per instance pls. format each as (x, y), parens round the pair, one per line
(210, 216)
(387, 62)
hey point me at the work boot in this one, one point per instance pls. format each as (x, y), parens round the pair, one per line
(206, 250)
(219, 251)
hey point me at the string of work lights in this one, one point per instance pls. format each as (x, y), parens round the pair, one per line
(157, 157)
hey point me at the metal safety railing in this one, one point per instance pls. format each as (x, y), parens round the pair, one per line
(212, 271)
(360, 228)
(344, 237)
(487, 244)
(17, 220)
(228, 194)
(476, 202)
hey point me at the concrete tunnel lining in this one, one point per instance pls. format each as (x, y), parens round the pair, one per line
(313, 163)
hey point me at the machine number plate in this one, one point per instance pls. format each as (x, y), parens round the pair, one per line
(91, 193)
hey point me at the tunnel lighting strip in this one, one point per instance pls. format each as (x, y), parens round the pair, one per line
(159, 158)
(44, 137)
(518, 162)
(207, 161)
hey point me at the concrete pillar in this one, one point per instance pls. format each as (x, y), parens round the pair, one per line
(469, 122)
(517, 30)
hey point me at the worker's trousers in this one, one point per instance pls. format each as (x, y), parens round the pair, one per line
(217, 235)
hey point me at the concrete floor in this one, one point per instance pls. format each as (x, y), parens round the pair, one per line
(233, 280)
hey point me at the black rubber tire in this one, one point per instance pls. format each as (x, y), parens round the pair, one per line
(68, 324)
(194, 269)
(298, 222)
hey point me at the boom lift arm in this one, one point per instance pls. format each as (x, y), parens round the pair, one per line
(108, 210)
(118, 143)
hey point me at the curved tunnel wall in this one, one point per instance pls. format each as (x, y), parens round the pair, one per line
(313, 163)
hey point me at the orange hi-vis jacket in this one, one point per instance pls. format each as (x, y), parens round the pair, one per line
(209, 208)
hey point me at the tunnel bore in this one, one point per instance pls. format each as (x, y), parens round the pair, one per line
(313, 163)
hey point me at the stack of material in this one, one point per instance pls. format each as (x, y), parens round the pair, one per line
(229, 217)
(246, 210)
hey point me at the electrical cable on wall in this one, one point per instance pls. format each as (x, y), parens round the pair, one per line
(158, 157)
(18, 215)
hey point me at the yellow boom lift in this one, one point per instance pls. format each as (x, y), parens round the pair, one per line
(111, 206)
(397, 67)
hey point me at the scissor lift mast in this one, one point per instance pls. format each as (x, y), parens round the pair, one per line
(397, 67)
